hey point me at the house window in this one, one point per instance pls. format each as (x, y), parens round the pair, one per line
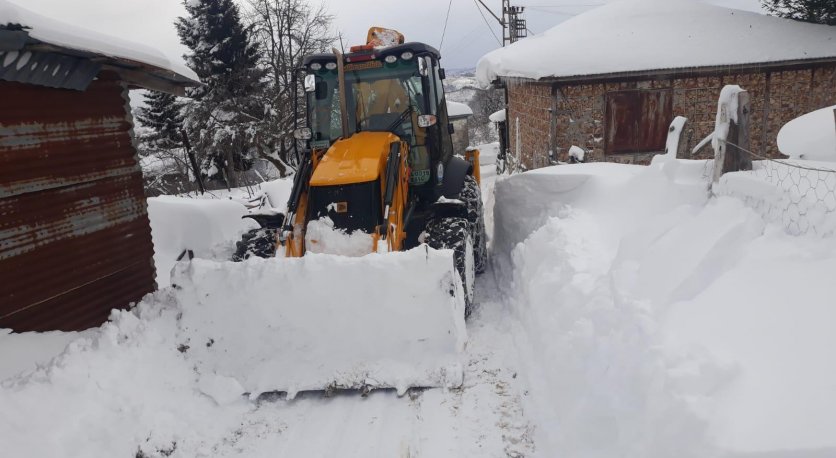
(637, 121)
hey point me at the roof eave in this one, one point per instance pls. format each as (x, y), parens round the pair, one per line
(136, 74)
(675, 72)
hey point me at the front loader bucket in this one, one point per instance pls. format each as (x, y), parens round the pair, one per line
(324, 322)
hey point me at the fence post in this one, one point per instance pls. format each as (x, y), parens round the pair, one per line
(730, 153)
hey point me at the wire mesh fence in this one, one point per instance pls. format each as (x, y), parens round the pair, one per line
(800, 196)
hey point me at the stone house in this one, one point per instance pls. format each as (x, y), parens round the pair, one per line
(612, 79)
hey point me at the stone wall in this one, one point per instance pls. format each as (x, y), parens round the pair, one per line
(579, 110)
(461, 137)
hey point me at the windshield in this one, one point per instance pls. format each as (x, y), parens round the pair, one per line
(378, 94)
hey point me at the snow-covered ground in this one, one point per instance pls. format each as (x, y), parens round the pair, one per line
(626, 313)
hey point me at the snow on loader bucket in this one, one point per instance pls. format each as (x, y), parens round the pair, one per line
(326, 322)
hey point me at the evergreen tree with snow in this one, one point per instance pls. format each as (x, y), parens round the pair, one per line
(815, 11)
(224, 116)
(163, 118)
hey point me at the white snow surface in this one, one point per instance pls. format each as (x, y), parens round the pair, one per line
(208, 227)
(811, 136)
(58, 33)
(639, 35)
(457, 109)
(626, 313)
(322, 237)
(661, 323)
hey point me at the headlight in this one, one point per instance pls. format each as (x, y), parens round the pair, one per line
(406, 55)
(331, 65)
(391, 59)
(316, 66)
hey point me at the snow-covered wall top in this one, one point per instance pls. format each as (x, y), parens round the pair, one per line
(64, 35)
(456, 109)
(639, 35)
(810, 136)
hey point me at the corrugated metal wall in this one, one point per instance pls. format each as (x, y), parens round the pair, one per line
(75, 240)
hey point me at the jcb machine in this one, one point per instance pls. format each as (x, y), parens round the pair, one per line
(380, 165)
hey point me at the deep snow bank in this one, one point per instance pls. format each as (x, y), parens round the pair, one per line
(664, 324)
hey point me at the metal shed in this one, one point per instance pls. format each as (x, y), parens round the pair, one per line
(75, 240)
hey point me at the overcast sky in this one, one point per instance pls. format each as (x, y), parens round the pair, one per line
(467, 38)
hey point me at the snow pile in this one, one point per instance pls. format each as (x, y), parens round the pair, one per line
(498, 116)
(60, 34)
(811, 136)
(308, 323)
(458, 110)
(200, 225)
(640, 35)
(577, 153)
(526, 201)
(24, 352)
(674, 135)
(664, 324)
(799, 195)
(322, 237)
(173, 373)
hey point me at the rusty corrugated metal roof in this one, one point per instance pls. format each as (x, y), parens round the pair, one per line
(75, 240)
(48, 69)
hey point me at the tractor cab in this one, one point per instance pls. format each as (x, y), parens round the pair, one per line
(390, 86)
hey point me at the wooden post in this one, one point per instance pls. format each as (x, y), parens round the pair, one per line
(676, 145)
(737, 158)
(730, 153)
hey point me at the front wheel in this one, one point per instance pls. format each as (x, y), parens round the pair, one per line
(453, 233)
(259, 242)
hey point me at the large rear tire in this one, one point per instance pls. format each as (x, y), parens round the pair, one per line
(471, 195)
(259, 242)
(454, 233)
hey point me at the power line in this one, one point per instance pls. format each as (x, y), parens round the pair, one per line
(444, 32)
(563, 6)
(498, 41)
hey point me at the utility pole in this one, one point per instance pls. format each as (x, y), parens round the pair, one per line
(513, 25)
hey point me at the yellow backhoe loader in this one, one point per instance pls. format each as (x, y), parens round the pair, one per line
(379, 167)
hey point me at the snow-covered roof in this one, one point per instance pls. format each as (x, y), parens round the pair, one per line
(42, 30)
(641, 35)
(458, 110)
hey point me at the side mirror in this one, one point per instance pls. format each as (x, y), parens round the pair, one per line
(451, 129)
(303, 133)
(426, 120)
(442, 74)
(310, 83)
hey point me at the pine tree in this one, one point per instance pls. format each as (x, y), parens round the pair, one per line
(165, 165)
(162, 115)
(223, 118)
(815, 11)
